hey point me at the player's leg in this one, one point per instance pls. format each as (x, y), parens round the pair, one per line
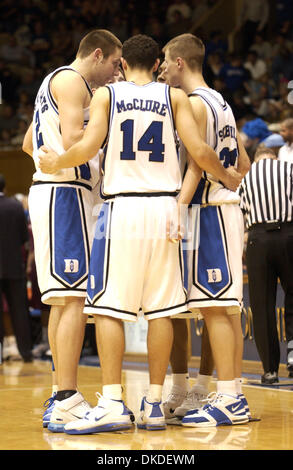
(53, 322)
(197, 395)
(68, 402)
(206, 359)
(227, 407)
(179, 366)
(159, 343)
(235, 320)
(179, 353)
(69, 340)
(181, 398)
(111, 346)
(222, 341)
(110, 414)
(54, 318)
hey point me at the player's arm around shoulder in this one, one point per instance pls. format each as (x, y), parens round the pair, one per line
(92, 140)
(71, 94)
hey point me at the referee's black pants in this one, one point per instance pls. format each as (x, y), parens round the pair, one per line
(269, 256)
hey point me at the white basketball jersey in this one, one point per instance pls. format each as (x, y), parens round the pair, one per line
(47, 132)
(140, 152)
(221, 135)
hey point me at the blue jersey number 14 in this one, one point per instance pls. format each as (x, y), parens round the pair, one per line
(150, 141)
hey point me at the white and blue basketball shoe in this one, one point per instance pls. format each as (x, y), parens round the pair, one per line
(221, 410)
(245, 404)
(49, 405)
(107, 416)
(64, 411)
(151, 416)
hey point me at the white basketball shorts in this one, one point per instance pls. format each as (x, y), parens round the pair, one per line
(62, 221)
(134, 269)
(215, 262)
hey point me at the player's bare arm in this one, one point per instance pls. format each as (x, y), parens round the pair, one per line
(194, 172)
(92, 140)
(71, 96)
(243, 158)
(200, 115)
(204, 156)
(27, 145)
(190, 182)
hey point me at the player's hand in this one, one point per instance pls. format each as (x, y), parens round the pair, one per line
(174, 229)
(233, 179)
(48, 161)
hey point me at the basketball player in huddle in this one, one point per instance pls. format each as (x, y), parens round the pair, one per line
(181, 398)
(136, 119)
(61, 206)
(216, 285)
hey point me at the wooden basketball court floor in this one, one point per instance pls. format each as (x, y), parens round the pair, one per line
(25, 387)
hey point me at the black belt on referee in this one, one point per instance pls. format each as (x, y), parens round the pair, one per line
(270, 226)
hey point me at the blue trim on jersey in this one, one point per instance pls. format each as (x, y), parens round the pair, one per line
(207, 90)
(69, 232)
(211, 266)
(98, 270)
(85, 172)
(112, 92)
(197, 197)
(51, 102)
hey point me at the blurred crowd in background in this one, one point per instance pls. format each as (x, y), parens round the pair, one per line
(37, 37)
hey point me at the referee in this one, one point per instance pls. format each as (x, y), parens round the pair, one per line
(266, 201)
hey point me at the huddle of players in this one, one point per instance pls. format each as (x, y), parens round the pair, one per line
(141, 165)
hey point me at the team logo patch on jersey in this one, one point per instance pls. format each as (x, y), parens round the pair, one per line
(214, 275)
(71, 265)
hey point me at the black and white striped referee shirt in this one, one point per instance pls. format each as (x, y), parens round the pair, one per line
(266, 192)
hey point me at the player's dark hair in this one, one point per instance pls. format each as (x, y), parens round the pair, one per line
(140, 51)
(99, 38)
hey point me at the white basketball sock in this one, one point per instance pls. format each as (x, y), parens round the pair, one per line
(239, 382)
(227, 387)
(155, 393)
(202, 381)
(181, 380)
(112, 392)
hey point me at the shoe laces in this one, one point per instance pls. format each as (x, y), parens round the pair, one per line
(174, 396)
(210, 400)
(193, 398)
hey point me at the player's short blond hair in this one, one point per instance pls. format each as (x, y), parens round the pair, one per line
(189, 47)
